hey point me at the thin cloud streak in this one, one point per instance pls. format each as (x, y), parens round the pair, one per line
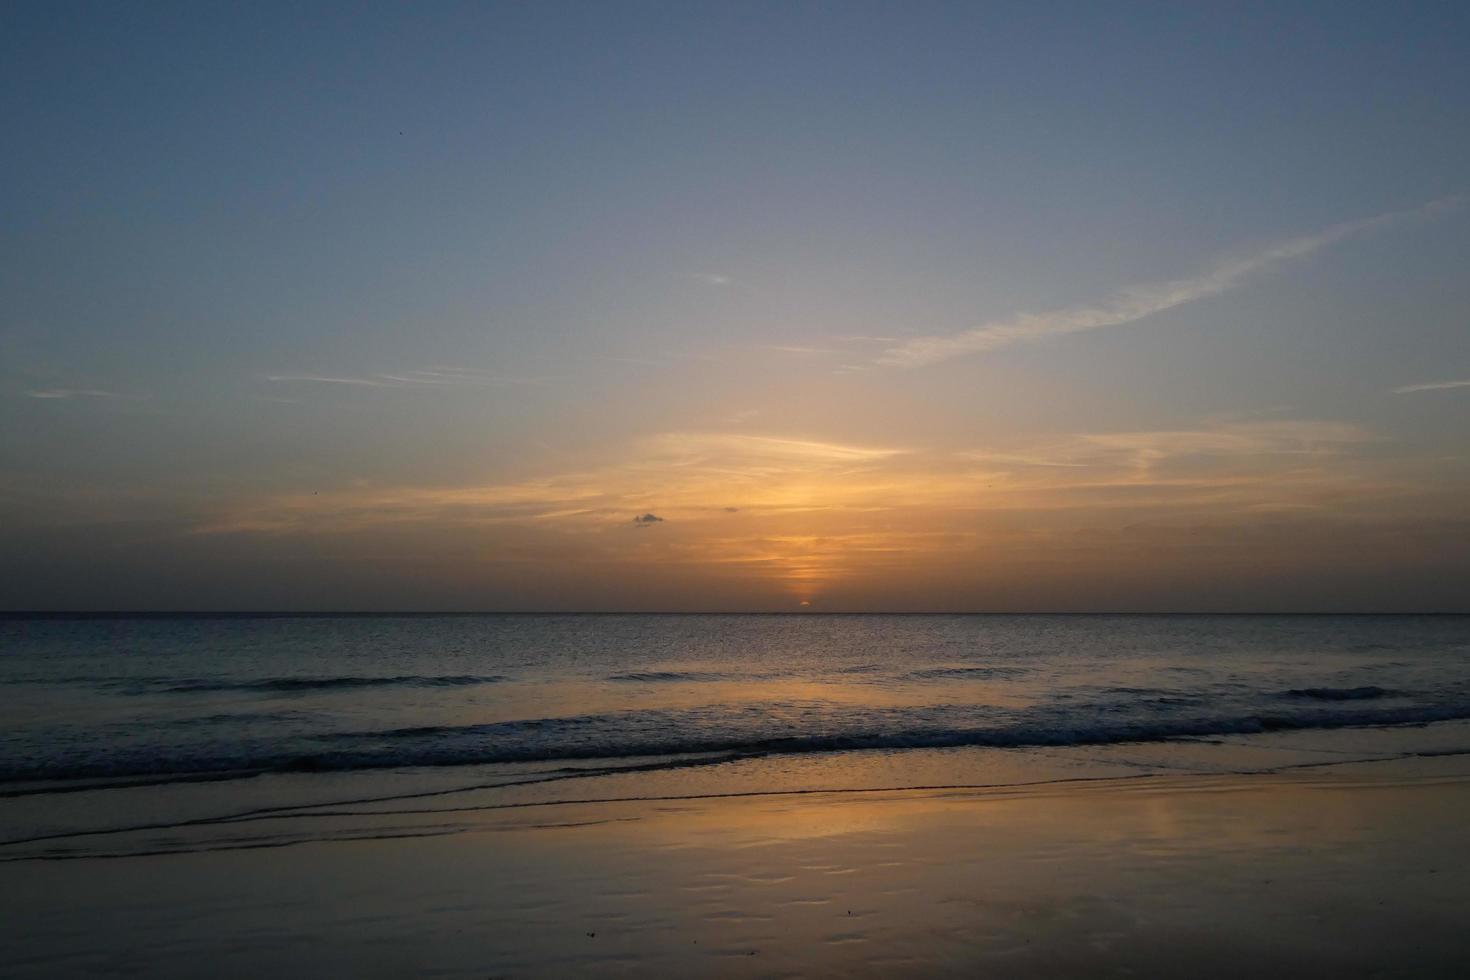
(328, 380)
(438, 376)
(57, 393)
(796, 349)
(1137, 302)
(1431, 386)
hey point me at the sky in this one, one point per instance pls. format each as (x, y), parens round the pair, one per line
(735, 306)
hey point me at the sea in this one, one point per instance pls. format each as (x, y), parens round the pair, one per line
(246, 709)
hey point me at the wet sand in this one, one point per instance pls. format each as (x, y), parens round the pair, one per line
(1353, 870)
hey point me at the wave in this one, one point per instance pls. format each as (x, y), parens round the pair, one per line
(963, 673)
(670, 676)
(654, 734)
(175, 685)
(1336, 693)
(287, 684)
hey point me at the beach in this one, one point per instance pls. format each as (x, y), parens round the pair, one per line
(726, 796)
(1353, 869)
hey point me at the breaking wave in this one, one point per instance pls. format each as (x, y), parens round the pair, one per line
(963, 673)
(1337, 693)
(670, 676)
(740, 732)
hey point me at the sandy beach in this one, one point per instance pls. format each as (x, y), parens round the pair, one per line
(1345, 870)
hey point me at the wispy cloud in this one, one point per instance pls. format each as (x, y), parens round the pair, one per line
(376, 382)
(714, 279)
(1431, 386)
(807, 512)
(660, 358)
(860, 338)
(686, 471)
(1136, 302)
(641, 361)
(1279, 437)
(685, 446)
(439, 376)
(1135, 451)
(689, 475)
(50, 393)
(797, 349)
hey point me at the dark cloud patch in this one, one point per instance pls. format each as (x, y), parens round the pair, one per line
(647, 519)
(732, 510)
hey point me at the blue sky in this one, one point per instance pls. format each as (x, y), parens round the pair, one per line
(400, 258)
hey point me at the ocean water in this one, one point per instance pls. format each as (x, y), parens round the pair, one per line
(178, 698)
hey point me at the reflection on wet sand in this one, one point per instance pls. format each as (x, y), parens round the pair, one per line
(1354, 870)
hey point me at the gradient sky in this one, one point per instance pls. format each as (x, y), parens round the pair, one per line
(895, 306)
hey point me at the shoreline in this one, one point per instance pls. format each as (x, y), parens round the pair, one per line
(54, 821)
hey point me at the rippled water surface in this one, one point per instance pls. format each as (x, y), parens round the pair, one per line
(182, 697)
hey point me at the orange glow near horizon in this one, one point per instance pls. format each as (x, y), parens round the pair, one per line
(745, 515)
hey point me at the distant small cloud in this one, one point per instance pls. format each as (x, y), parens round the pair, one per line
(732, 510)
(1431, 386)
(50, 393)
(714, 279)
(647, 519)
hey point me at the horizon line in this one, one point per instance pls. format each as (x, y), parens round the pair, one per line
(426, 613)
